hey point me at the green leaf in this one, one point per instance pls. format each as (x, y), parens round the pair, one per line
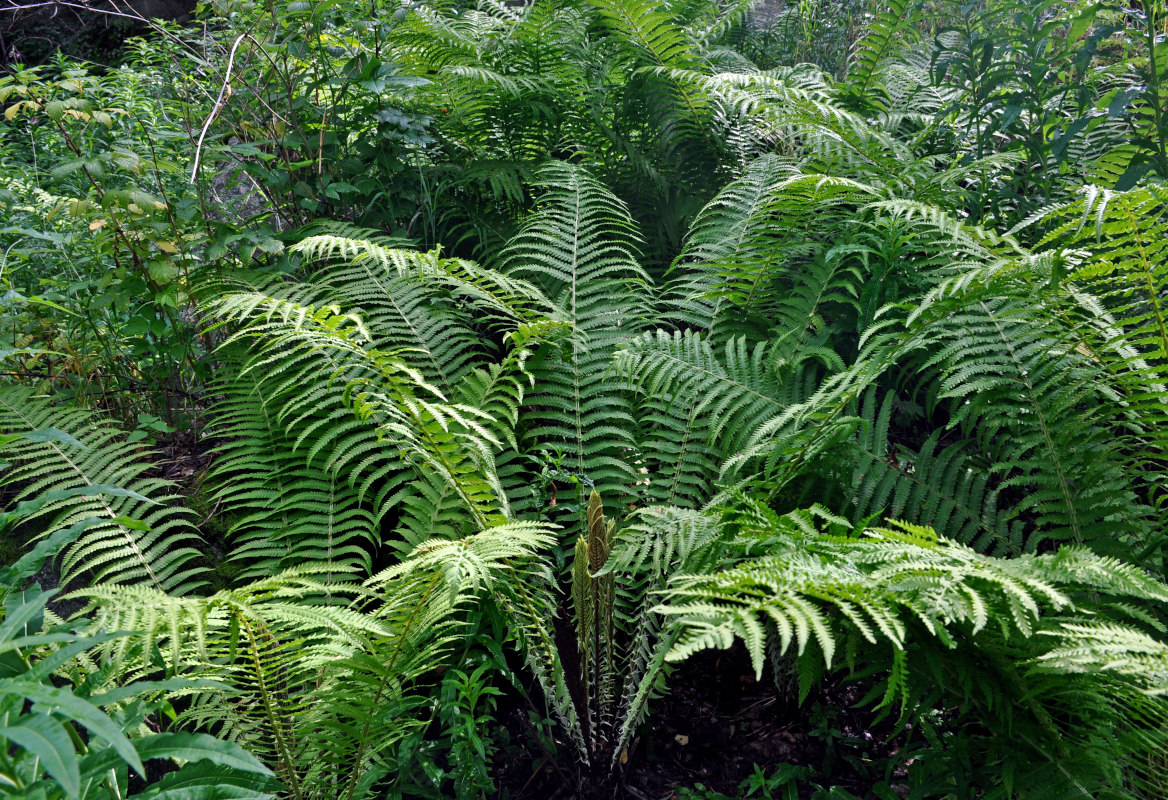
(227, 757)
(199, 747)
(195, 779)
(49, 699)
(42, 435)
(162, 271)
(31, 562)
(43, 737)
(21, 610)
(1082, 22)
(221, 792)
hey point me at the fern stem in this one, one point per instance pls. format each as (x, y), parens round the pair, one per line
(284, 754)
(363, 739)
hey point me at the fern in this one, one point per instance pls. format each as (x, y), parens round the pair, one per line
(289, 510)
(579, 246)
(945, 620)
(320, 677)
(1104, 647)
(135, 535)
(810, 583)
(1112, 245)
(649, 28)
(599, 675)
(444, 446)
(741, 252)
(1029, 398)
(879, 43)
(941, 485)
(744, 387)
(841, 318)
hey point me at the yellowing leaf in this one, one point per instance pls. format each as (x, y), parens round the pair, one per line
(97, 223)
(166, 247)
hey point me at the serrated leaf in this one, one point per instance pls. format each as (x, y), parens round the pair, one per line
(162, 271)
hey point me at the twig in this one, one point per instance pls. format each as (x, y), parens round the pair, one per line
(538, 767)
(220, 101)
(10, 6)
(213, 510)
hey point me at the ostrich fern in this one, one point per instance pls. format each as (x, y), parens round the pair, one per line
(321, 678)
(954, 627)
(137, 534)
(606, 457)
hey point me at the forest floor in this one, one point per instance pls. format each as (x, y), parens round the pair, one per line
(712, 729)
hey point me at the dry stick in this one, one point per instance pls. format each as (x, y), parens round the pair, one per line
(275, 115)
(220, 101)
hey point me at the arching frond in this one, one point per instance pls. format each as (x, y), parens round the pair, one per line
(941, 485)
(729, 394)
(318, 677)
(128, 529)
(369, 398)
(750, 243)
(1032, 402)
(890, 24)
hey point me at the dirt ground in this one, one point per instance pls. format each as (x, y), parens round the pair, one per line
(715, 725)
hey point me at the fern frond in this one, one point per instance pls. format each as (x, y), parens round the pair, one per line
(651, 29)
(289, 509)
(579, 244)
(1112, 247)
(745, 244)
(1028, 398)
(323, 674)
(376, 397)
(1107, 647)
(893, 22)
(815, 587)
(941, 485)
(735, 393)
(131, 537)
